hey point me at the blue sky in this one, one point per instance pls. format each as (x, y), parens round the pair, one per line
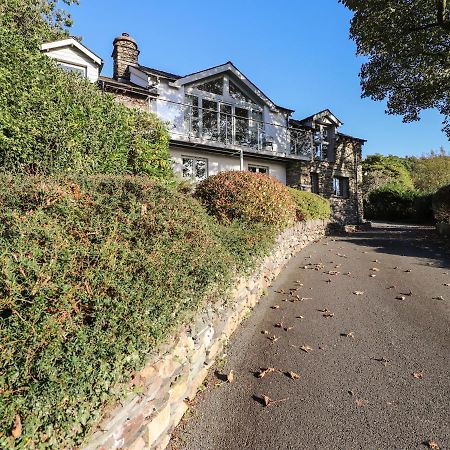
(298, 52)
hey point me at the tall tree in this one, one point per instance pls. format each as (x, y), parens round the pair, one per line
(407, 45)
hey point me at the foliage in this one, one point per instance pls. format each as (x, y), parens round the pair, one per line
(310, 206)
(441, 204)
(394, 203)
(380, 171)
(430, 172)
(406, 43)
(52, 122)
(247, 196)
(86, 266)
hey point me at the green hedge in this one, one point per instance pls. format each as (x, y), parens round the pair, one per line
(310, 206)
(94, 273)
(441, 204)
(52, 122)
(247, 196)
(393, 203)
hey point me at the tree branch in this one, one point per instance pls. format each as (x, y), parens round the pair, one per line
(442, 16)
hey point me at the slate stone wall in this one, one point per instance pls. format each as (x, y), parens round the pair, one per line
(174, 373)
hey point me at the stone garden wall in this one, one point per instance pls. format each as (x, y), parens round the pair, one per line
(174, 373)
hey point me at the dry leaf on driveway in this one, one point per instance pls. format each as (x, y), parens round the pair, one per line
(275, 307)
(266, 400)
(375, 269)
(433, 445)
(439, 297)
(273, 338)
(300, 317)
(408, 294)
(263, 372)
(324, 310)
(292, 375)
(418, 375)
(264, 332)
(400, 297)
(358, 292)
(372, 275)
(408, 271)
(349, 334)
(447, 284)
(306, 348)
(230, 377)
(328, 315)
(361, 402)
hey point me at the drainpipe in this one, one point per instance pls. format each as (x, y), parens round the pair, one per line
(241, 154)
(358, 213)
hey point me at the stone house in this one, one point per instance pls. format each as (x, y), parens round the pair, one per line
(219, 120)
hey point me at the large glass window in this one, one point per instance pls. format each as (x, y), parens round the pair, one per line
(195, 168)
(191, 115)
(226, 123)
(210, 119)
(242, 126)
(72, 68)
(258, 169)
(341, 187)
(237, 94)
(213, 86)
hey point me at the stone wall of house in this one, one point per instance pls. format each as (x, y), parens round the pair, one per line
(174, 373)
(345, 210)
(132, 101)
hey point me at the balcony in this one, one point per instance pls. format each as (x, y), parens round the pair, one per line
(237, 129)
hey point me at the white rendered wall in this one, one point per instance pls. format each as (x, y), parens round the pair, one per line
(72, 55)
(219, 163)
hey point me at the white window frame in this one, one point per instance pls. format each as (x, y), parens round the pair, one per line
(195, 159)
(74, 66)
(258, 167)
(338, 189)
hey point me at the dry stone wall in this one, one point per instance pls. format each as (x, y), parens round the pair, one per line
(174, 373)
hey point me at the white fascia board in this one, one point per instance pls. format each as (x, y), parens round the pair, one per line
(330, 116)
(71, 42)
(228, 67)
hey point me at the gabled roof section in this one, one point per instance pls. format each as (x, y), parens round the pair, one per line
(159, 73)
(351, 138)
(72, 42)
(322, 114)
(231, 68)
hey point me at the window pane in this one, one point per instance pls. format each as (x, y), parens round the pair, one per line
(237, 94)
(336, 187)
(73, 69)
(191, 114)
(188, 168)
(324, 151)
(201, 169)
(210, 122)
(256, 132)
(226, 123)
(242, 126)
(213, 86)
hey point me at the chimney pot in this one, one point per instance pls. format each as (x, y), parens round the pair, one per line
(125, 54)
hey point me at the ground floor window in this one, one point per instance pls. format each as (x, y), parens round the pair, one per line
(195, 168)
(315, 183)
(341, 187)
(258, 169)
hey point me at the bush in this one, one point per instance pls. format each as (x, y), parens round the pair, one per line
(247, 196)
(52, 122)
(391, 203)
(441, 204)
(95, 273)
(310, 206)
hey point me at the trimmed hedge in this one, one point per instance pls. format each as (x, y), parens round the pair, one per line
(393, 203)
(52, 122)
(310, 206)
(247, 196)
(95, 272)
(441, 204)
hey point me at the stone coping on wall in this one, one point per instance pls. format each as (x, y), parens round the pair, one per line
(177, 369)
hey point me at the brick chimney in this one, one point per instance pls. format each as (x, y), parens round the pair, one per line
(125, 54)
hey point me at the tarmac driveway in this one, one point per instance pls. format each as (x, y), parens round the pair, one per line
(364, 321)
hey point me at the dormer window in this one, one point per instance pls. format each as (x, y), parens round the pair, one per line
(73, 68)
(214, 86)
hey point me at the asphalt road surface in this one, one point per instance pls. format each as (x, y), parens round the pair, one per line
(377, 375)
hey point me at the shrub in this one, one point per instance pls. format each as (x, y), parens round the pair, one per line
(441, 204)
(247, 196)
(393, 203)
(310, 206)
(95, 273)
(53, 122)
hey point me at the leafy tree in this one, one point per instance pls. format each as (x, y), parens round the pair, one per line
(381, 171)
(430, 172)
(407, 43)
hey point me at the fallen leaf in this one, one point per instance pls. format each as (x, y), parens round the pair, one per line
(408, 294)
(375, 261)
(400, 297)
(439, 297)
(351, 392)
(333, 272)
(361, 402)
(375, 269)
(328, 281)
(358, 292)
(391, 287)
(263, 372)
(324, 310)
(396, 267)
(327, 315)
(264, 332)
(349, 334)
(266, 400)
(293, 375)
(230, 377)
(275, 307)
(372, 275)
(279, 325)
(418, 375)
(273, 338)
(287, 328)
(305, 298)
(306, 348)
(16, 431)
(300, 317)
(407, 270)
(446, 284)
(433, 445)
(382, 360)
(347, 273)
